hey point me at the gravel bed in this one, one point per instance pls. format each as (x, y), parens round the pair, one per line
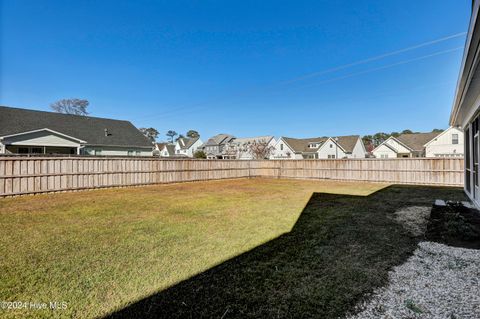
(438, 281)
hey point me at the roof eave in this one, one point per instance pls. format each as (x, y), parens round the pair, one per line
(466, 69)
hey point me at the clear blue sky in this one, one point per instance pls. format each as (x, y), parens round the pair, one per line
(228, 66)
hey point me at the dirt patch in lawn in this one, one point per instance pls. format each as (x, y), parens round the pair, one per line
(454, 225)
(413, 218)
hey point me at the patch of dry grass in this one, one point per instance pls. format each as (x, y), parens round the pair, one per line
(101, 250)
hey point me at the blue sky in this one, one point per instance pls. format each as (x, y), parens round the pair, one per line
(238, 67)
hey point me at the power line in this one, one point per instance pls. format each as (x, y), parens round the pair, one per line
(359, 73)
(385, 66)
(375, 58)
(331, 70)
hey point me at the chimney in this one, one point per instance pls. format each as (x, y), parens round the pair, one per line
(106, 132)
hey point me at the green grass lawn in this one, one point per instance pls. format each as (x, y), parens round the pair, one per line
(100, 251)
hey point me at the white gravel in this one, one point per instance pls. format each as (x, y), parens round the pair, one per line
(438, 281)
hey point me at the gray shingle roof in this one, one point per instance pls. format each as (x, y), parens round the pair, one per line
(86, 128)
(170, 149)
(186, 142)
(348, 142)
(219, 139)
(300, 145)
(416, 141)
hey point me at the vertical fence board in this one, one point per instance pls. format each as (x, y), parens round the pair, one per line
(30, 175)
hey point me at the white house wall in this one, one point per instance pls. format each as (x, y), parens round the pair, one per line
(442, 145)
(190, 151)
(359, 150)
(384, 152)
(286, 153)
(330, 148)
(399, 147)
(116, 151)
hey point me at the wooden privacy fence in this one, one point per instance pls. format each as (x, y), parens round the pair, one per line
(31, 175)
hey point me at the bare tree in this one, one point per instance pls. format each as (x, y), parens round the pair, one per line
(231, 150)
(260, 149)
(150, 132)
(71, 106)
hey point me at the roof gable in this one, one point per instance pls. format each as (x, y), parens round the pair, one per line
(300, 145)
(186, 142)
(348, 142)
(416, 141)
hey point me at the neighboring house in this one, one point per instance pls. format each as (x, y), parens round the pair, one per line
(448, 143)
(187, 146)
(350, 146)
(240, 147)
(158, 148)
(168, 150)
(466, 107)
(319, 148)
(25, 131)
(404, 145)
(297, 148)
(215, 146)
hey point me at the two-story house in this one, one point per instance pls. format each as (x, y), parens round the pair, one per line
(215, 146)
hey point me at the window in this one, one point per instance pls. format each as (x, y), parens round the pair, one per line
(37, 150)
(331, 145)
(23, 150)
(467, 161)
(454, 138)
(331, 156)
(384, 156)
(281, 147)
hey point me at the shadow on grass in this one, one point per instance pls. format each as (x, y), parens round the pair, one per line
(341, 248)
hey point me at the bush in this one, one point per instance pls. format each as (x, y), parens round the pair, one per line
(200, 154)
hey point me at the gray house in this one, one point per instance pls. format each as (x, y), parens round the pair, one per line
(25, 131)
(214, 148)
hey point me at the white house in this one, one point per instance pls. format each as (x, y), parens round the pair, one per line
(466, 105)
(25, 131)
(449, 143)
(319, 148)
(187, 146)
(240, 147)
(342, 147)
(167, 150)
(392, 148)
(296, 148)
(404, 145)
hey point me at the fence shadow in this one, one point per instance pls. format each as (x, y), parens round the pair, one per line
(341, 248)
